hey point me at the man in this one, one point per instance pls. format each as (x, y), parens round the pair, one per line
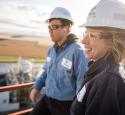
(64, 69)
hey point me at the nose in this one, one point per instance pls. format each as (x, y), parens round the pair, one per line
(84, 40)
(50, 30)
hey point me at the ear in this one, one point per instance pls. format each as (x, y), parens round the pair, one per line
(67, 29)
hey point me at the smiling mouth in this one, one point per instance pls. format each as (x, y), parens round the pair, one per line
(88, 49)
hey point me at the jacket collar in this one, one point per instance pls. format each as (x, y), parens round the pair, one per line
(98, 66)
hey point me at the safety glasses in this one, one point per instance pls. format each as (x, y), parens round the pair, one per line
(55, 27)
(92, 35)
(98, 35)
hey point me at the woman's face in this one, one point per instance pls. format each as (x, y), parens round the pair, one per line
(95, 46)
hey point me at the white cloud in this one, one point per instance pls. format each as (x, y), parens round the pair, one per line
(29, 15)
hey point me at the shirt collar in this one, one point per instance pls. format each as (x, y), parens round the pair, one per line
(70, 39)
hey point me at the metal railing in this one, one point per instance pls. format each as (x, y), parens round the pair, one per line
(17, 87)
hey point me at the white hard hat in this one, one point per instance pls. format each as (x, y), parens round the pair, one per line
(60, 12)
(107, 13)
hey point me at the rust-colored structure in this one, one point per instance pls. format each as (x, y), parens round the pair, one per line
(20, 46)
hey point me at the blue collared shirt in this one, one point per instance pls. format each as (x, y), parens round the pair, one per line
(63, 72)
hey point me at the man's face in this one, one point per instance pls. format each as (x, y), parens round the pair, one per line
(57, 31)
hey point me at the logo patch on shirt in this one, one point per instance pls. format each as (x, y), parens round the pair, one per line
(66, 63)
(81, 94)
(48, 59)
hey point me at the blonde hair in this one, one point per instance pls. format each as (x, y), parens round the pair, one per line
(116, 40)
(118, 46)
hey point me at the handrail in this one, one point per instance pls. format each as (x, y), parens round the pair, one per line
(22, 112)
(14, 87)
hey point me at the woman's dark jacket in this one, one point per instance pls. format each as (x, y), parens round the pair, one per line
(102, 91)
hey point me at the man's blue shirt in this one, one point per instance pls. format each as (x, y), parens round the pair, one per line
(63, 72)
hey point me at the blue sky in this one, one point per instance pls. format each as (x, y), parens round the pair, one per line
(26, 17)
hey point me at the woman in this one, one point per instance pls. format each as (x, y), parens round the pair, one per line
(103, 89)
